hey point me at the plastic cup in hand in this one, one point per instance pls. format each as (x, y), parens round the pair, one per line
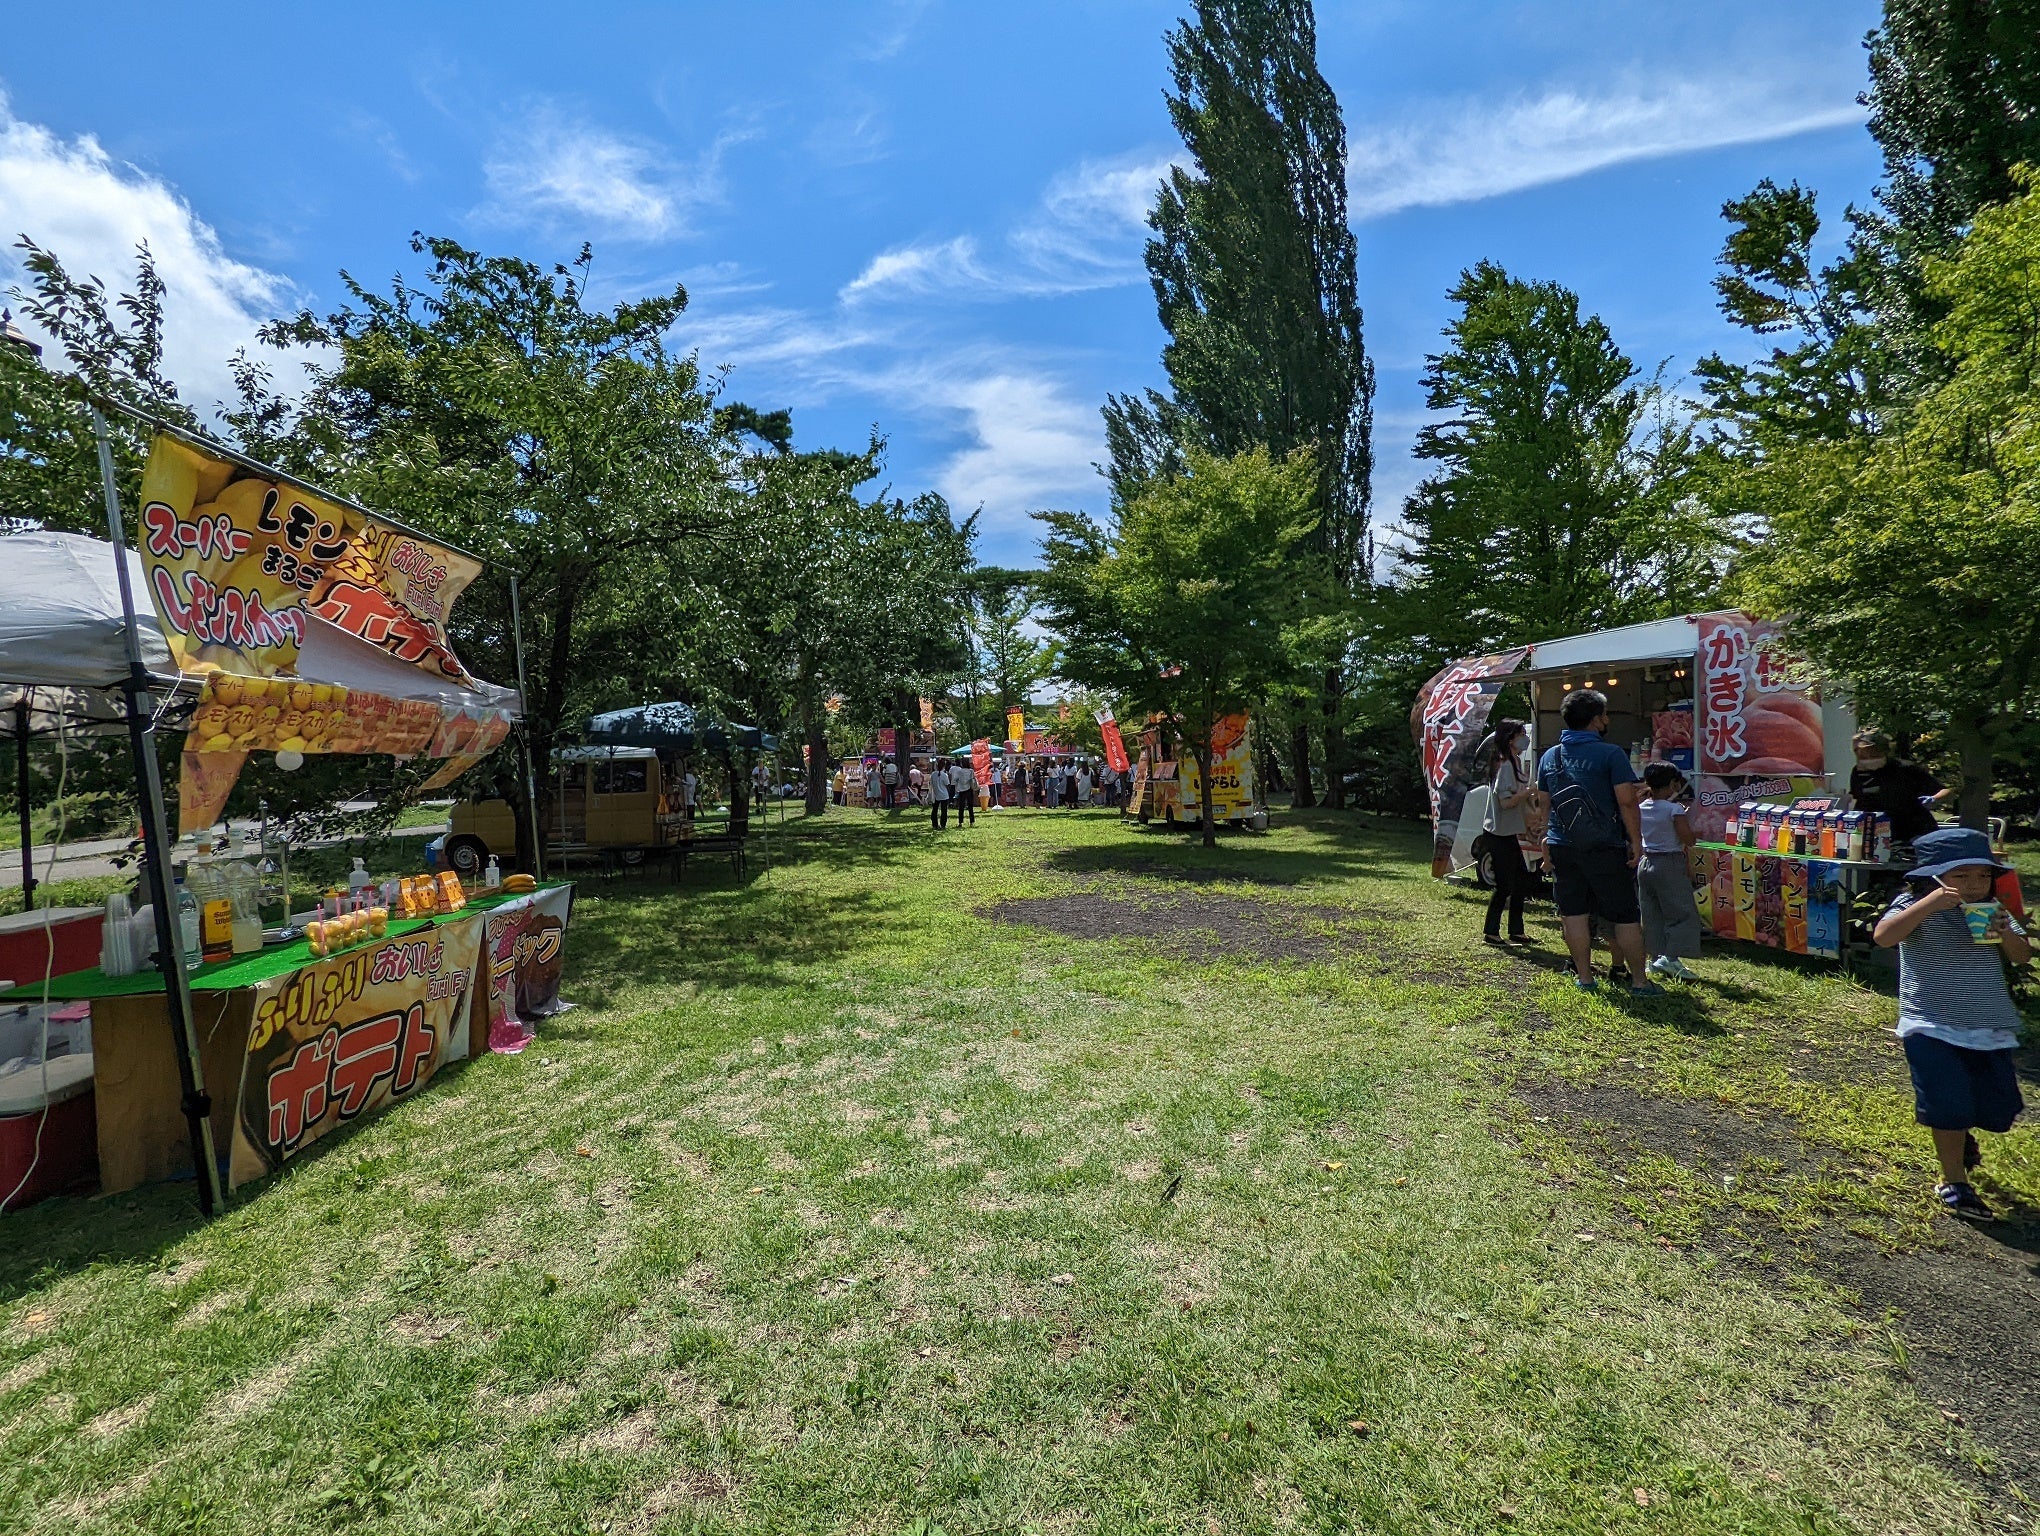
(1980, 915)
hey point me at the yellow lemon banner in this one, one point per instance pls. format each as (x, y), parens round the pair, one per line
(230, 558)
(395, 590)
(238, 564)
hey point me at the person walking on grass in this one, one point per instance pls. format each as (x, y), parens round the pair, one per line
(1595, 840)
(938, 802)
(1510, 792)
(1956, 1018)
(963, 791)
(1664, 876)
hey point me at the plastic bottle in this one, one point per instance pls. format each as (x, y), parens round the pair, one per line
(187, 926)
(206, 879)
(360, 879)
(492, 877)
(244, 891)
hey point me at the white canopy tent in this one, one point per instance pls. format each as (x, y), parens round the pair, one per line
(63, 638)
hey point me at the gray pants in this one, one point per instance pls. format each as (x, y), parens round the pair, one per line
(1671, 918)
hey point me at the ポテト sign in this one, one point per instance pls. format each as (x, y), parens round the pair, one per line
(342, 1037)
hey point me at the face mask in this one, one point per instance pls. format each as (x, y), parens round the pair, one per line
(1871, 763)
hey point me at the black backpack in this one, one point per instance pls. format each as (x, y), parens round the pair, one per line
(1579, 819)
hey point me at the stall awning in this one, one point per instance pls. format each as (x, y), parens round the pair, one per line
(1673, 639)
(675, 727)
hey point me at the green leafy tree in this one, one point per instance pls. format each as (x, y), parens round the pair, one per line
(1254, 276)
(1954, 105)
(1180, 606)
(1565, 499)
(568, 446)
(821, 594)
(1010, 662)
(1908, 562)
(1830, 372)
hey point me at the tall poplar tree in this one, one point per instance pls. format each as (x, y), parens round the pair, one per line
(1954, 105)
(1253, 272)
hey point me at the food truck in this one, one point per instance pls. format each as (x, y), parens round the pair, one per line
(1166, 786)
(621, 794)
(1714, 694)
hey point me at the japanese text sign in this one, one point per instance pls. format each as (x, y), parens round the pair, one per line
(342, 1037)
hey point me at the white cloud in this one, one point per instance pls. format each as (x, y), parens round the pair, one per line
(559, 170)
(919, 269)
(1483, 150)
(1033, 446)
(1085, 233)
(91, 211)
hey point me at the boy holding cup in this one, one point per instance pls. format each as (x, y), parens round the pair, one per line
(1955, 1012)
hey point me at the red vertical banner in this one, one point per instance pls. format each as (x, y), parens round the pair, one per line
(981, 761)
(1115, 748)
(1450, 714)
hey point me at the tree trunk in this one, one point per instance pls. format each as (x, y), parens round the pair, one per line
(817, 750)
(1973, 800)
(1201, 751)
(544, 726)
(1269, 764)
(1299, 762)
(903, 744)
(509, 786)
(1335, 756)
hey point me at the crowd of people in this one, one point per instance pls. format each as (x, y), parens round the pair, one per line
(949, 787)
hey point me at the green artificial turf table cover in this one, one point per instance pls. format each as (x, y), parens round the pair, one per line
(249, 970)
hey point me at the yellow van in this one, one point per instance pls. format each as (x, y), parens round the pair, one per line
(603, 797)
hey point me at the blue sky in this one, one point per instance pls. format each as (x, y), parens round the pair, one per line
(917, 215)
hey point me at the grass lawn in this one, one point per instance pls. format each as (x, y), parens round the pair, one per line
(1058, 1176)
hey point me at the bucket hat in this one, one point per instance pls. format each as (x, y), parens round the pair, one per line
(1947, 848)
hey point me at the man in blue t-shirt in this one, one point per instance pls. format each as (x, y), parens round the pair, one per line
(1594, 838)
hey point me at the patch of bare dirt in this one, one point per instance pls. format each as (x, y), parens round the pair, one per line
(1964, 1307)
(1195, 927)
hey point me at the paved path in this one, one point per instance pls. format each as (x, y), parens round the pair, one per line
(93, 858)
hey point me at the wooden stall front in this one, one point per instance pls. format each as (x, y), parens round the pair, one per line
(405, 981)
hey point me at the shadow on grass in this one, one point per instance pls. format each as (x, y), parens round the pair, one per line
(718, 930)
(55, 1238)
(1346, 849)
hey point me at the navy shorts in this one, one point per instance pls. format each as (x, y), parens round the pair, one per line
(1594, 882)
(1955, 1089)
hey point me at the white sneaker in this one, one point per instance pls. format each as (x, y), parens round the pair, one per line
(1661, 967)
(1678, 968)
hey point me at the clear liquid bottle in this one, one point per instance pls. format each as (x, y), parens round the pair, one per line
(187, 926)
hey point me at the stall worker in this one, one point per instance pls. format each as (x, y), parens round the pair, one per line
(1903, 791)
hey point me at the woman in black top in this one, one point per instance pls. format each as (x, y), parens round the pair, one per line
(1905, 792)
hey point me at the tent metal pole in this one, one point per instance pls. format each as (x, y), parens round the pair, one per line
(197, 1105)
(27, 833)
(524, 734)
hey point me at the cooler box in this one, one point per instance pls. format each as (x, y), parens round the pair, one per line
(49, 1132)
(25, 951)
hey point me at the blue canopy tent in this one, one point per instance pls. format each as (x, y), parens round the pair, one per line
(677, 727)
